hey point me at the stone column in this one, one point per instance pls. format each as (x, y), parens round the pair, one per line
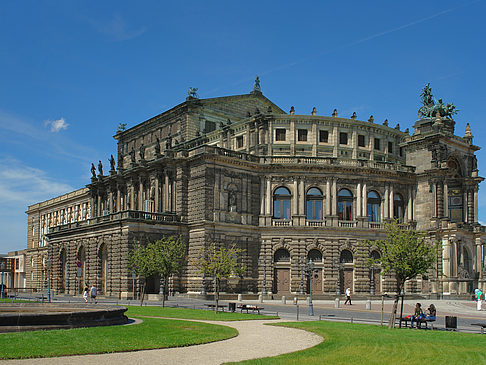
(446, 257)
(301, 197)
(268, 198)
(476, 217)
(334, 197)
(118, 199)
(328, 196)
(247, 138)
(440, 199)
(359, 208)
(166, 192)
(157, 197)
(387, 202)
(477, 263)
(110, 203)
(140, 194)
(446, 200)
(470, 205)
(391, 201)
(292, 138)
(336, 141)
(409, 204)
(365, 200)
(132, 196)
(262, 196)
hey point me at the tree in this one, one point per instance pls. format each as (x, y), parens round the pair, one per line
(404, 254)
(163, 257)
(220, 263)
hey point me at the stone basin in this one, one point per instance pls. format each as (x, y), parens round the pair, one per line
(15, 317)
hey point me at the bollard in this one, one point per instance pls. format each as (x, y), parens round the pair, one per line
(337, 303)
(284, 301)
(260, 298)
(368, 304)
(239, 297)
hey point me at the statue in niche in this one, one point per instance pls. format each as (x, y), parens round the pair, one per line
(157, 146)
(100, 168)
(93, 171)
(168, 143)
(141, 151)
(120, 160)
(112, 163)
(232, 200)
(132, 155)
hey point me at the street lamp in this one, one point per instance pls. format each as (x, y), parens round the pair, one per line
(302, 268)
(336, 263)
(2, 266)
(310, 273)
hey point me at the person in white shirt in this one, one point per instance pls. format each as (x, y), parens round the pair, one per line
(93, 294)
(348, 296)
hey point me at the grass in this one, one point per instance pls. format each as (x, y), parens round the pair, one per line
(207, 315)
(346, 343)
(151, 334)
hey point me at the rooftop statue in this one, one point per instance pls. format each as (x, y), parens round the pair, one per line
(256, 85)
(192, 92)
(431, 107)
(112, 163)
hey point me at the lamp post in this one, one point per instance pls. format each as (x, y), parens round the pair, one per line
(338, 265)
(2, 267)
(49, 267)
(372, 281)
(301, 264)
(310, 272)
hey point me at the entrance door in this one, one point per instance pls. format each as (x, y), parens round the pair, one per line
(317, 281)
(377, 278)
(347, 278)
(282, 280)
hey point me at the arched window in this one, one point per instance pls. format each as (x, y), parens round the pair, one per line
(281, 255)
(314, 255)
(281, 203)
(81, 258)
(346, 257)
(314, 204)
(398, 207)
(375, 255)
(345, 205)
(373, 208)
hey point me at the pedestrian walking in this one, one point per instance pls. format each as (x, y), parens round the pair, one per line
(479, 298)
(348, 296)
(86, 294)
(93, 294)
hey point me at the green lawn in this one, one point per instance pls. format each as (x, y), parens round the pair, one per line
(152, 333)
(208, 315)
(346, 343)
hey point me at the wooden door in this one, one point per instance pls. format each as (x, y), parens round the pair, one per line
(347, 279)
(377, 278)
(317, 281)
(282, 280)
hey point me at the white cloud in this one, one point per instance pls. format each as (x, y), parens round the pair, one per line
(56, 125)
(25, 185)
(117, 29)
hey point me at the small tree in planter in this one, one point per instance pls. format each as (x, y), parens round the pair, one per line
(404, 254)
(221, 263)
(163, 257)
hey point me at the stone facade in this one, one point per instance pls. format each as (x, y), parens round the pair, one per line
(284, 187)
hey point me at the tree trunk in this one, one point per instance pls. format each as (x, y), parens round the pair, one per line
(143, 292)
(216, 294)
(164, 289)
(393, 314)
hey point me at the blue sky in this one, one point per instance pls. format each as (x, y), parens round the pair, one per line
(71, 71)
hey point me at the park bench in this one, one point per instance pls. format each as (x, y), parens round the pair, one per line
(482, 325)
(423, 320)
(212, 306)
(248, 307)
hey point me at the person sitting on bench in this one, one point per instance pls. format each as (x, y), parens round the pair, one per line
(418, 315)
(431, 313)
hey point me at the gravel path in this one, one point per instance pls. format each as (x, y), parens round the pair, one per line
(255, 340)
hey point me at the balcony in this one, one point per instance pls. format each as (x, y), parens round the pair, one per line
(282, 222)
(123, 215)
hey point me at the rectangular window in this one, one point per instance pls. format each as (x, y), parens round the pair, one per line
(377, 144)
(323, 136)
(302, 135)
(343, 138)
(209, 126)
(401, 151)
(280, 134)
(361, 140)
(390, 147)
(239, 141)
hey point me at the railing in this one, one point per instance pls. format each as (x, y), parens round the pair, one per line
(123, 215)
(348, 224)
(282, 222)
(316, 223)
(375, 225)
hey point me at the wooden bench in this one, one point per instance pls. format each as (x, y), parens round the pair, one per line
(482, 325)
(212, 306)
(248, 307)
